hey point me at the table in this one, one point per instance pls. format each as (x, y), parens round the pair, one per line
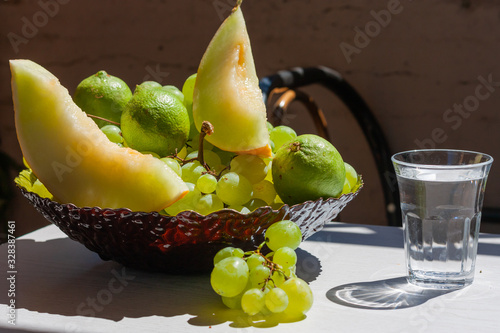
(356, 273)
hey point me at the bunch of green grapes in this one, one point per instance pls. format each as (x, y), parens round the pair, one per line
(222, 180)
(264, 284)
(219, 179)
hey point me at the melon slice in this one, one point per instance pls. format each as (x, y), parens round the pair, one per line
(74, 159)
(227, 92)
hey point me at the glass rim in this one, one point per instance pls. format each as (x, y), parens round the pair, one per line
(442, 166)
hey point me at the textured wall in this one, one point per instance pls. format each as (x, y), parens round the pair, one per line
(418, 64)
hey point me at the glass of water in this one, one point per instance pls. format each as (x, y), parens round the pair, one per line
(441, 200)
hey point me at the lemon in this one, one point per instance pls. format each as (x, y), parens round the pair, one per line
(307, 168)
(155, 120)
(102, 95)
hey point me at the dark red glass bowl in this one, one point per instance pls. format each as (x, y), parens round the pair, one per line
(180, 244)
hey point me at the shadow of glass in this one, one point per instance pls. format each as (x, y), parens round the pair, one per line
(387, 294)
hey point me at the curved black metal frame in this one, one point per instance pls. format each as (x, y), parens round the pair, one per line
(331, 79)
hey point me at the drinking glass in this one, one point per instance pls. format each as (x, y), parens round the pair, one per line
(441, 195)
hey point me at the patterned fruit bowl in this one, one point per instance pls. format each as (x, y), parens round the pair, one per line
(185, 243)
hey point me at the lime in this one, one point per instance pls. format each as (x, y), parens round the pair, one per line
(147, 84)
(155, 120)
(175, 91)
(307, 168)
(102, 95)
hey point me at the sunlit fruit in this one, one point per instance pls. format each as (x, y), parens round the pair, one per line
(74, 159)
(227, 92)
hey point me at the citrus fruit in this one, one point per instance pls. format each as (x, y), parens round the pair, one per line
(102, 95)
(74, 159)
(155, 120)
(307, 168)
(147, 84)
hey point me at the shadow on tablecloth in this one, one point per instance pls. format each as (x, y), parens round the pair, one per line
(62, 277)
(387, 294)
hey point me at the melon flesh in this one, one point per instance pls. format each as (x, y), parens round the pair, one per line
(74, 159)
(227, 92)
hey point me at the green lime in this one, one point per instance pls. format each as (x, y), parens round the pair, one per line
(147, 85)
(155, 120)
(102, 95)
(175, 91)
(307, 168)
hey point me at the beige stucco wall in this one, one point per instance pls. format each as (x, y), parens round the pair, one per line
(416, 62)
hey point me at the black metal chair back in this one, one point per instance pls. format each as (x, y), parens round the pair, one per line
(287, 82)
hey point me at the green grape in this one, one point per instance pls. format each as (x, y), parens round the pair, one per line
(278, 278)
(113, 132)
(300, 297)
(283, 233)
(209, 203)
(187, 203)
(175, 91)
(210, 157)
(187, 91)
(234, 189)
(281, 135)
(252, 301)
(240, 208)
(255, 203)
(259, 275)
(225, 156)
(206, 183)
(351, 175)
(233, 302)
(264, 190)
(252, 167)
(229, 276)
(148, 84)
(255, 260)
(182, 153)
(191, 171)
(195, 143)
(173, 164)
(290, 271)
(285, 257)
(269, 126)
(276, 300)
(347, 187)
(188, 88)
(269, 175)
(227, 252)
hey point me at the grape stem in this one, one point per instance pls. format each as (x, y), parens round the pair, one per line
(273, 267)
(206, 129)
(104, 119)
